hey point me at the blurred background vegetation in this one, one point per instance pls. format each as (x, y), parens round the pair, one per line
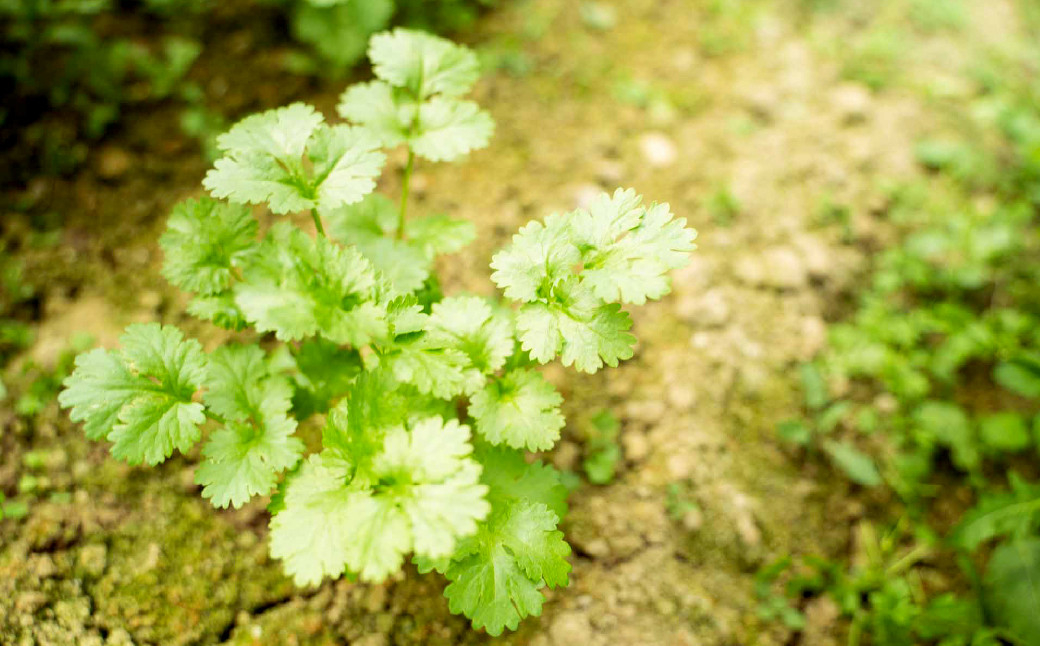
(72, 69)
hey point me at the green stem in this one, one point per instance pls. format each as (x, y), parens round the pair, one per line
(213, 416)
(404, 193)
(907, 561)
(317, 222)
(856, 628)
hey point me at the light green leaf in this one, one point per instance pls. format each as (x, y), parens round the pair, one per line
(858, 466)
(140, 397)
(439, 234)
(470, 324)
(219, 308)
(511, 478)
(381, 110)
(949, 425)
(585, 337)
(814, 386)
(339, 29)
(345, 165)
(358, 224)
(263, 162)
(402, 264)
(281, 133)
(239, 385)
(1013, 513)
(448, 129)
(1012, 590)
(446, 500)
(496, 575)
(540, 257)
(432, 368)
(298, 287)
(242, 460)
(324, 523)
(521, 410)
(371, 225)
(204, 241)
(1004, 432)
(1022, 377)
(628, 249)
(422, 493)
(423, 64)
(356, 426)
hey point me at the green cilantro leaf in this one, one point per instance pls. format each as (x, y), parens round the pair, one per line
(470, 324)
(371, 226)
(239, 385)
(521, 410)
(204, 241)
(423, 64)
(510, 478)
(584, 336)
(244, 458)
(406, 316)
(423, 494)
(322, 371)
(404, 265)
(448, 129)
(140, 397)
(243, 461)
(383, 111)
(571, 272)
(299, 286)
(219, 308)
(345, 165)
(263, 162)
(432, 367)
(624, 250)
(496, 574)
(438, 129)
(322, 522)
(540, 257)
(355, 427)
(416, 100)
(439, 234)
(425, 359)
(627, 250)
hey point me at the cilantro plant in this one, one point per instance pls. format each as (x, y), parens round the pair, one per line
(429, 402)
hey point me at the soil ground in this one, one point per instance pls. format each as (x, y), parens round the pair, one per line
(748, 142)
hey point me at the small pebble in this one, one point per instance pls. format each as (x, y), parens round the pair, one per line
(113, 163)
(658, 150)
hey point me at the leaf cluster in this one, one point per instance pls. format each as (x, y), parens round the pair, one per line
(429, 401)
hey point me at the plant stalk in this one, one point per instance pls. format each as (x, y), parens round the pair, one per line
(404, 193)
(317, 222)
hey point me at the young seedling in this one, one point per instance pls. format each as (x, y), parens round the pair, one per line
(431, 401)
